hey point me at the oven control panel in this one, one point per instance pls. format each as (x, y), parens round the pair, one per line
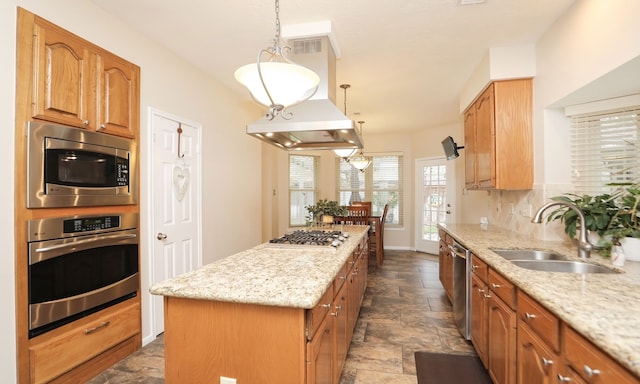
(94, 223)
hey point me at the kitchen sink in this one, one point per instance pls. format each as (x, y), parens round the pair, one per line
(561, 266)
(528, 254)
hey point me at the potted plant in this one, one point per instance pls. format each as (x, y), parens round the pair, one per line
(624, 227)
(324, 210)
(598, 212)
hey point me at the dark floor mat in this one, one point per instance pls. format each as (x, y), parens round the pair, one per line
(439, 368)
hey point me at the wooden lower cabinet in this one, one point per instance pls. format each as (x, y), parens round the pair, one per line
(320, 354)
(445, 264)
(537, 363)
(502, 341)
(479, 318)
(83, 349)
(590, 363)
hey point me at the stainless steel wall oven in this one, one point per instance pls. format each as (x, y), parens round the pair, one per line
(73, 167)
(79, 265)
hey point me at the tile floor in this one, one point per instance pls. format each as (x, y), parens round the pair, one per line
(405, 310)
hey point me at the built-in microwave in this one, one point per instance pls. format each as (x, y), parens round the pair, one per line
(74, 167)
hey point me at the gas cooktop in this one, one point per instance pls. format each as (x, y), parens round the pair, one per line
(312, 238)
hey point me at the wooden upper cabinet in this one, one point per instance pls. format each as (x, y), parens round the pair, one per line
(62, 77)
(82, 85)
(499, 137)
(117, 102)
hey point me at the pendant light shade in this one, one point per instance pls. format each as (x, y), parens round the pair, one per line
(276, 82)
(285, 84)
(360, 161)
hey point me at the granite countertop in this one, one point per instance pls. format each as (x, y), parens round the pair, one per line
(268, 274)
(605, 308)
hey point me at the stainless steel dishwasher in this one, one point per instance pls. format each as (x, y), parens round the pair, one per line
(461, 287)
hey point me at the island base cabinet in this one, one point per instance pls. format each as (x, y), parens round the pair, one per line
(320, 367)
(251, 343)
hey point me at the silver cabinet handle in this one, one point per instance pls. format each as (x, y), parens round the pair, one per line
(104, 324)
(529, 316)
(563, 379)
(325, 305)
(494, 285)
(161, 236)
(590, 371)
(547, 362)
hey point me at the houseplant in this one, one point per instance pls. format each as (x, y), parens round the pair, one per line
(598, 211)
(319, 212)
(624, 227)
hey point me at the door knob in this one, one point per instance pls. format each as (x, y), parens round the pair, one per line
(161, 236)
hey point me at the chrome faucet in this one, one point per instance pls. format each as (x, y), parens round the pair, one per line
(584, 246)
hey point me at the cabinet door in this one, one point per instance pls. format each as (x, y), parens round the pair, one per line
(479, 320)
(502, 341)
(445, 268)
(536, 361)
(320, 354)
(118, 92)
(63, 77)
(470, 181)
(341, 340)
(485, 139)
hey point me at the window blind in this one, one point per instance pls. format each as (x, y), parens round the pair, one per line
(604, 149)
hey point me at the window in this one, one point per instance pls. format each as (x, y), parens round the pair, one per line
(381, 183)
(604, 149)
(303, 186)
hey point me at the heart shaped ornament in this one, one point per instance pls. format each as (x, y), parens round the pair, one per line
(180, 181)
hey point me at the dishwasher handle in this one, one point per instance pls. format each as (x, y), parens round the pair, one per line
(457, 250)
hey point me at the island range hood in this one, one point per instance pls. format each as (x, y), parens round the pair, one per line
(316, 123)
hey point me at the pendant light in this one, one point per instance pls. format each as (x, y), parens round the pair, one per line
(277, 82)
(361, 162)
(345, 153)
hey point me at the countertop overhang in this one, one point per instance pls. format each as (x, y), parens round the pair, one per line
(605, 308)
(268, 274)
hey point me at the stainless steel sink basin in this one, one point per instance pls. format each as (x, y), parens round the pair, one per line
(561, 266)
(528, 254)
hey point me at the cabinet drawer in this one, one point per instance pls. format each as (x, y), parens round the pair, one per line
(502, 288)
(60, 354)
(317, 313)
(479, 268)
(592, 364)
(540, 320)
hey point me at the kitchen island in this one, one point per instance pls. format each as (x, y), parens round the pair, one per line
(270, 314)
(603, 309)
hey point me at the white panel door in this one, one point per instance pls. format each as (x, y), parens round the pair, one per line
(175, 205)
(435, 186)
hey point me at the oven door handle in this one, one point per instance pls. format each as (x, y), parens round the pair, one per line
(79, 245)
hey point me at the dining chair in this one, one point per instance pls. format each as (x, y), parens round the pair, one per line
(376, 237)
(358, 214)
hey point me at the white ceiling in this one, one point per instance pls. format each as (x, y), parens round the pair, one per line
(406, 60)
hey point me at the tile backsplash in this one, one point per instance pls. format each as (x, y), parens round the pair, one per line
(513, 210)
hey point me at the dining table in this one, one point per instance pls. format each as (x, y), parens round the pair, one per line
(374, 224)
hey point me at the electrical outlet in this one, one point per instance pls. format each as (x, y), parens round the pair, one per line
(227, 380)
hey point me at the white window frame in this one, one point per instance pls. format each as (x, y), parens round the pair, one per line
(395, 214)
(310, 193)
